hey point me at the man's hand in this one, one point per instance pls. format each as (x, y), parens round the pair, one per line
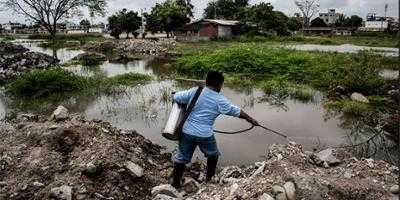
(249, 119)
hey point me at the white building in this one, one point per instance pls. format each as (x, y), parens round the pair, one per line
(11, 26)
(331, 17)
(96, 30)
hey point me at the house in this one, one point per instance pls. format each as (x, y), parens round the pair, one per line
(99, 28)
(206, 29)
(376, 23)
(318, 30)
(331, 17)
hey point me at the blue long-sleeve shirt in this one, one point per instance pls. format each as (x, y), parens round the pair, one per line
(208, 107)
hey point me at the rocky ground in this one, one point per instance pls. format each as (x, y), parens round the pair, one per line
(67, 157)
(16, 59)
(136, 47)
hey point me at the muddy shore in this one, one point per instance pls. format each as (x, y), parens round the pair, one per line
(65, 156)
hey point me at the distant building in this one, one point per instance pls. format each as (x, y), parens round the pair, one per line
(11, 26)
(376, 23)
(208, 29)
(328, 31)
(99, 28)
(331, 17)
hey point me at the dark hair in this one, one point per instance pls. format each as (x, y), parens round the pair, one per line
(214, 78)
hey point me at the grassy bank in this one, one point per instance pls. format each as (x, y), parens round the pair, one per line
(42, 83)
(283, 73)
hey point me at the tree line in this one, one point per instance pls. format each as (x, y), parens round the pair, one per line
(171, 15)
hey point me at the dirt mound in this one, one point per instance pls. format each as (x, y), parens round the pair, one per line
(80, 159)
(290, 171)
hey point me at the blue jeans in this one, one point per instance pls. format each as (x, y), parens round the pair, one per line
(188, 144)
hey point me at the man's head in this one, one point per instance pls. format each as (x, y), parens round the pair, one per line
(215, 80)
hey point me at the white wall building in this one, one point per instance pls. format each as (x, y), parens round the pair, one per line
(331, 17)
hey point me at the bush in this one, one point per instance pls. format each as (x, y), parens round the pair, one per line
(43, 82)
(40, 83)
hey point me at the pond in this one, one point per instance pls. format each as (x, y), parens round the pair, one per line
(145, 108)
(345, 48)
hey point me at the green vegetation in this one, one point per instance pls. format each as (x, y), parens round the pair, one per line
(124, 21)
(42, 83)
(66, 41)
(286, 72)
(7, 38)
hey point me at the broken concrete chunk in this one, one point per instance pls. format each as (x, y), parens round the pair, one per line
(290, 190)
(265, 196)
(63, 192)
(60, 113)
(135, 170)
(165, 189)
(359, 97)
(279, 192)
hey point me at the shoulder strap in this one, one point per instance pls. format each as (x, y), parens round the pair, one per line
(190, 107)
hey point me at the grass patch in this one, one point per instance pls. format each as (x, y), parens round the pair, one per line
(282, 89)
(41, 83)
(349, 108)
(356, 72)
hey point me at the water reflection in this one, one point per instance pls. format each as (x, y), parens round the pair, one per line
(345, 48)
(63, 54)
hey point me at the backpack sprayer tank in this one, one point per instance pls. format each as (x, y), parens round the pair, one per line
(174, 119)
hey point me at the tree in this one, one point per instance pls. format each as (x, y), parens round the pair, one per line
(49, 12)
(308, 8)
(318, 22)
(188, 5)
(124, 21)
(168, 16)
(266, 19)
(354, 21)
(294, 23)
(85, 24)
(225, 9)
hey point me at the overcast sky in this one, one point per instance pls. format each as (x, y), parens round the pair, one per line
(348, 7)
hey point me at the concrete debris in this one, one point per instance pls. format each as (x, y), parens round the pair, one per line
(61, 113)
(165, 189)
(394, 189)
(63, 192)
(265, 196)
(290, 190)
(359, 97)
(135, 170)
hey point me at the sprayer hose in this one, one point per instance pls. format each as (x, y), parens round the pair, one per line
(248, 129)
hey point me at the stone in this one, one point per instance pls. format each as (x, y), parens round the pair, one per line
(63, 192)
(165, 189)
(370, 162)
(325, 158)
(348, 175)
(135, 170)
(279, 192)
(190, 185)
(37, 184)
(265, 196)
(233, 189)
(394, 189)
(230, 172)
(61, 113)
(290, 190)
(164, 197)
(259, 170)
(359, 97)
(3, 183)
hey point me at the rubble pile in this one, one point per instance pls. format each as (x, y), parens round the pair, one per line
(16, 59)
(289, 173)
(145, 47)
(67, 157)
(64, 156)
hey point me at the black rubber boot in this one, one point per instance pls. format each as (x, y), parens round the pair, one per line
(211, 167)
(177, 174)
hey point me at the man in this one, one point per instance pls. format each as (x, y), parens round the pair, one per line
(198, 128)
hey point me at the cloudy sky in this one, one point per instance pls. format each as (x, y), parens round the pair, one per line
(348, 7)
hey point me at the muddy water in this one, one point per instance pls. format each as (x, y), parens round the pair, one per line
(145, 109)
(345, 48)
